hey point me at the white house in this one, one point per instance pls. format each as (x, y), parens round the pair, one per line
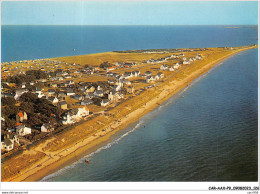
(84, 111)
(22, 130)
(23, 85)
(104, 102)
(198, 56)
(111, 95)
(39, 92)
(110, 69)
(47, 127)
(176, 66)
(7, 145)
(161, 75)
(99, 87)
(119, 95)
(174, 56)
(117, 88)
(67, 119)
(171, 68)
(53, 99)
(19, 92)
(163, 67)
(150, 79)
(186, 62)
(70, 92)
(157, 77)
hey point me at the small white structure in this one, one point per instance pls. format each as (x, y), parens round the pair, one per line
(186, 62)
(99, 87)
(198, 56)
(19, 92)
(176, 66)
(67, 119)
(117, 88)
(23, 85)
(47, 127)
(150, 79)
(161, 75)
(171, 68)
(163, 67)
(22, 130)
(110, 69)
(104, 102)
(53, 99)
(7, 145)
(84, 111)
(111, 95)
(70, 92)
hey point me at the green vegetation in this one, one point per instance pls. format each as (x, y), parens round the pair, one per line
(31, 75)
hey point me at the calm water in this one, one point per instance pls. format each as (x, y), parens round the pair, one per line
(34, 42)
(206, 133)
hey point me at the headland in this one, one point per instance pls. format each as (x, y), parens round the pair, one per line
(162, 73)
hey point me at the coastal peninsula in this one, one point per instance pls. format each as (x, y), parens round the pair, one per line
(108, 90)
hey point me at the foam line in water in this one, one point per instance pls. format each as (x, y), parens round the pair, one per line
(115, 141)
(82, 160)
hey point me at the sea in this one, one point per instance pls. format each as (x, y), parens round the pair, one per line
(206, 132)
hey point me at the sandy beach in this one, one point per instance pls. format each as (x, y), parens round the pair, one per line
(55, 160)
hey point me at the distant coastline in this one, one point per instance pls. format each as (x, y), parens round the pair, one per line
(92, 37)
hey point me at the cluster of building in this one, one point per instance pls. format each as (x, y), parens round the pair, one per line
(163, 59)
(125, 64)
(61, 86)
(185, 61)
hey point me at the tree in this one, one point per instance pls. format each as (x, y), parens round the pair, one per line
(28, 97)
(10, 123)
(96, 101)
(8, 101)
(36, 74)
(28, 107)
(105, 65)
(9, 111)
(34, 119)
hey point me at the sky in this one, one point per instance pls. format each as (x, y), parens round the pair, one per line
(129, 13)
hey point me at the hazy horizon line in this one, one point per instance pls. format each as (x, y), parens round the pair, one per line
(129, 24)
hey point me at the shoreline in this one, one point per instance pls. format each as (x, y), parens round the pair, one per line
(90, 144)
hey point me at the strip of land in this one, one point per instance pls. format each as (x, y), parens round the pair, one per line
(66, 147)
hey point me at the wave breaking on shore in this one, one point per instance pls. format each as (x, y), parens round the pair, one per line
(83, 159)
